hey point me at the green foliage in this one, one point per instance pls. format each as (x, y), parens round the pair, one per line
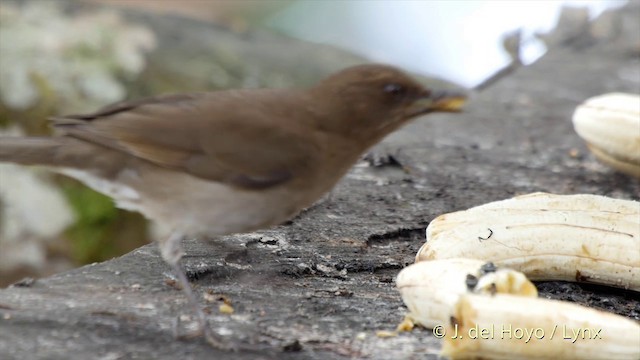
(96, 215)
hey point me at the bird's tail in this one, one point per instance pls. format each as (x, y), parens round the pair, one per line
(31, 150)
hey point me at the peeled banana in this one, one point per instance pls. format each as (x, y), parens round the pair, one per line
(431, 288)
(586, 238)
(507, 327)
(484, 312)
(610, 124)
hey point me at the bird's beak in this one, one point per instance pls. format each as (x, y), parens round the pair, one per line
(447, 101)
(437, 101)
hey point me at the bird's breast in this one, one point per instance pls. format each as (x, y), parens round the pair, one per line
(195, 206)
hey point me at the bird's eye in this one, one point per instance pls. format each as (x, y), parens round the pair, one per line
(394, 89)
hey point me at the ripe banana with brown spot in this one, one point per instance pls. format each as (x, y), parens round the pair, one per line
(492, 313)
(430, 289)
(586, 238)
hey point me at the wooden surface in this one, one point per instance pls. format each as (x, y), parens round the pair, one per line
(311, 288)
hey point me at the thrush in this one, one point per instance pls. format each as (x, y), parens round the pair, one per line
(232, 161)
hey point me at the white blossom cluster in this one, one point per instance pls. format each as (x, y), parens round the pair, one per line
(79, 59)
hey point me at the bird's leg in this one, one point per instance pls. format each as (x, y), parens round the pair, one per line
(171, 251)
(328, 198)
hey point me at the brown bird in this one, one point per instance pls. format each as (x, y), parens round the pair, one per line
(230, 161)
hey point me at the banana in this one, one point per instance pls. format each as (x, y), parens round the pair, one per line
(506, 326)
(431, 288)
(584, 238)
(610, 124)
(494, 313)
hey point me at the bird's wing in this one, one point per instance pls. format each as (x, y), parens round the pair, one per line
(230, 137)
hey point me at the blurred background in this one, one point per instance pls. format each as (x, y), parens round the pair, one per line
(65, 56)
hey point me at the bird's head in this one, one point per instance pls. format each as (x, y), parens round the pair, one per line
(377, 99)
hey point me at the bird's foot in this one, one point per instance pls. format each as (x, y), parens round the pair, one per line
(172, 252)
(203, 330)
